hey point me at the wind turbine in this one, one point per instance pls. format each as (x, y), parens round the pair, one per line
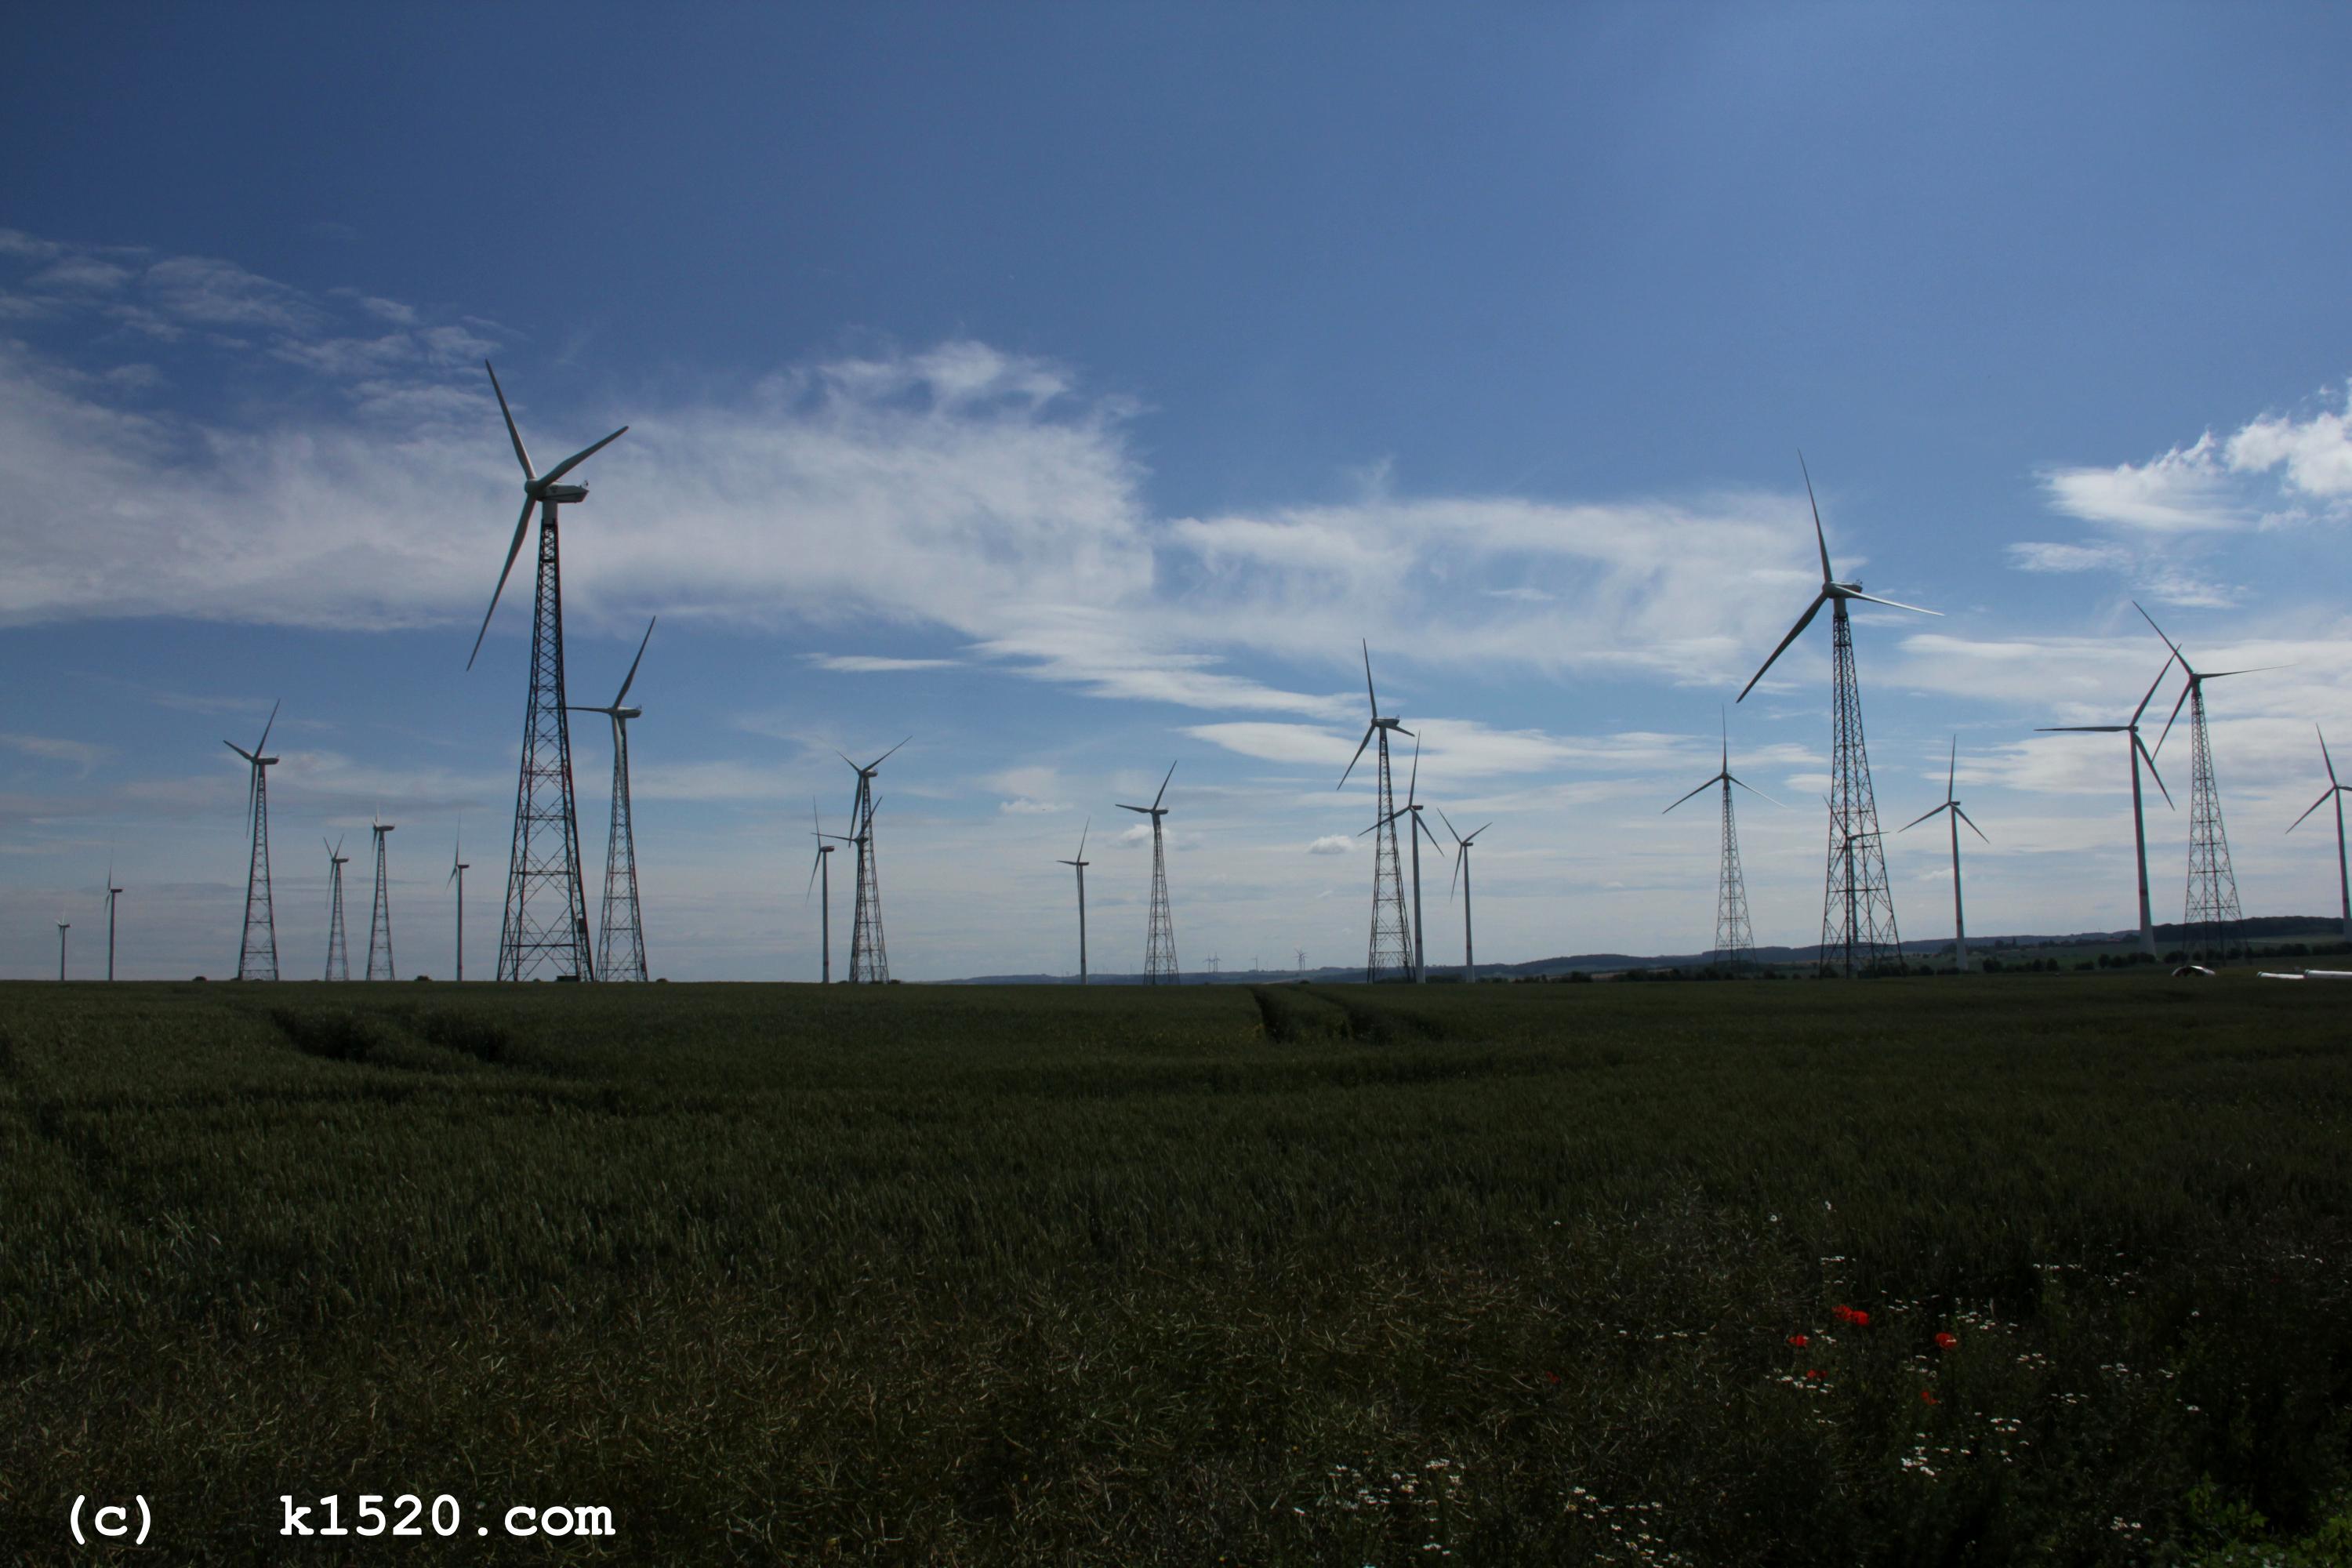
(1952, 805)
(870, 956)
(2139, 752)
(1734, 941)
(256, 957)
(621, 911)
(1414, 834)
(1462, 874)
(339, 961)
(545, 862)
(1858, 905)
(1389, 948)
(2212, 901)
(379, 923)
(63, 927)
(112, 893)
(457, 875)
(1160, 934)
(2335, 792)
(823, 868)
(1082, 863)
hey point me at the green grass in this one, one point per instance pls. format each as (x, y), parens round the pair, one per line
(1027, 1276)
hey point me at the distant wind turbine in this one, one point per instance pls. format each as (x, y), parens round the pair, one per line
(380, 921)
(2211, 906)
(1160, 933)
(458, 869)
(870, 956)
(544, 865)
(1858, 905)
(821, 871)
(1734, 941)
(2138, 753)
(256, 957)
(1414, 833)
(1952, 805)
(63, 927)
(1391, 945)
(2335, 792)
(113, 894)
(1082, 863)
(339, 961)
(1462, 875)
(621, 937)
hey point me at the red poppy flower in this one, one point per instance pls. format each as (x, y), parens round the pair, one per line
(1846, 1314)
(1927, 1398)
(1800, 1340)
(1551, 1377)
(1945, 1342)
(1813, 1372)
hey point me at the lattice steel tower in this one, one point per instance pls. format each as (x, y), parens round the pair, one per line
(1858, 931)
(1734, 943)
(2216, 924)
(257, 956)
(1160, 928)
(1390, 946)
(1857, 906)
(338, 960)
(621, 937)
(869, 955)
(379, 923)
(546, 921)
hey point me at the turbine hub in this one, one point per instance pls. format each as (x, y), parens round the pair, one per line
(563, 495)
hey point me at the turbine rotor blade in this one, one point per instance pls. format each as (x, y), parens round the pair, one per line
(523, 526)
(1359, 757)
(530, 477)
(888, 754)
(2326, 795)
(2186, 688)
(1751, 789)
(1923, 817)
(1456, 880)
(1964, 816)
(1952, 768)
(2144, 751)
(1718, 779)
(1163, 787)
(1412, 780)
(1819, 537)
(2322, 753)
(240, 751)
(1373, 696)
(2081, 729)
(1449, 824)
(2151, 690)
(263, 744)
(632, 676)
(1875, 599)
(581, 457)
(2160, 632)
(1082, 838)
(1802, 622)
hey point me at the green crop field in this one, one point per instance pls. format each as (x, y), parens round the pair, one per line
(1513, 1273)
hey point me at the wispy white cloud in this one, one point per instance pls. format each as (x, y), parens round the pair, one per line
(1331, 844)
(869, 664)
(82, 755)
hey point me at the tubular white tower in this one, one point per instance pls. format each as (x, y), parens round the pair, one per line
(1952, 805)
(2138, 753)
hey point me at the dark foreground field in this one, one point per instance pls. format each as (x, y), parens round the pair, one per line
(1509, 1275)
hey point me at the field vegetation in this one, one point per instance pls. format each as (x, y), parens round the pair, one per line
(2002, 1270)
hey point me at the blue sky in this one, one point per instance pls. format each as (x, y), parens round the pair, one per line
(1072, 388)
